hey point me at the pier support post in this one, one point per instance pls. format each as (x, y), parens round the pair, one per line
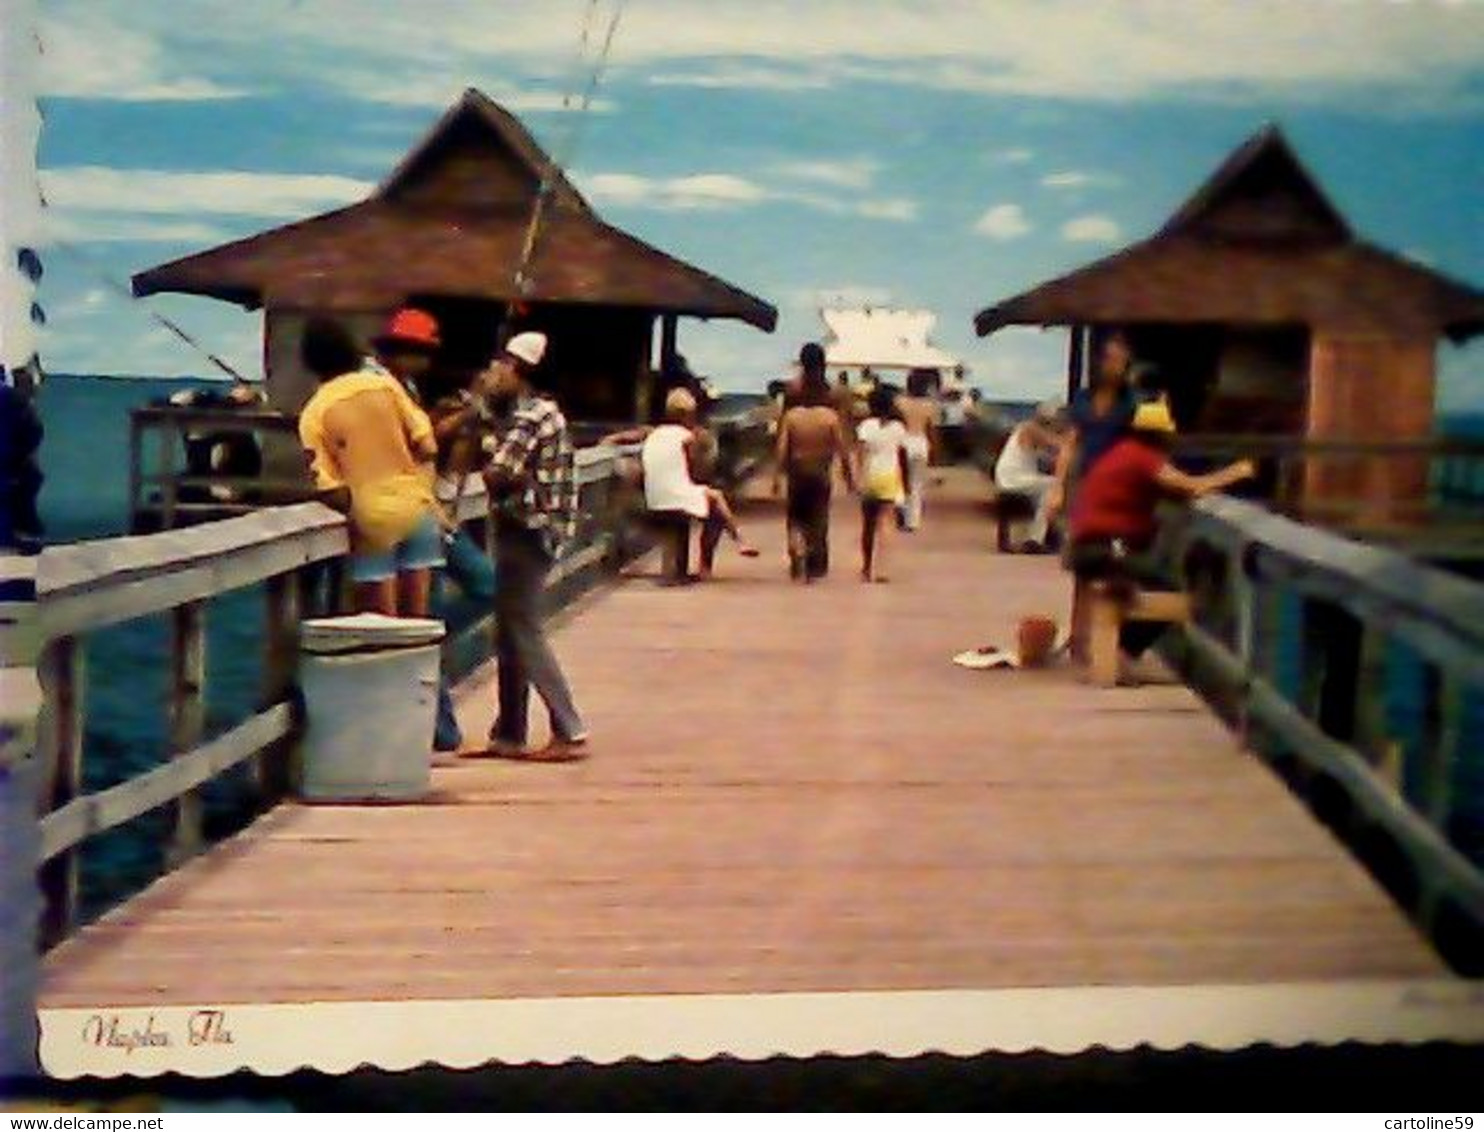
(187, 719)
(1442, 742)
(286, 597)
(63, 674)
(20, 829)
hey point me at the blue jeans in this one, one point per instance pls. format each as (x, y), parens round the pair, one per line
(447, 735)
(473, 572)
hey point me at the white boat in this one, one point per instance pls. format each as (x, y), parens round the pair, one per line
(869, 344)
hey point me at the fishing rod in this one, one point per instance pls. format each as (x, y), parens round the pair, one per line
(523, 283)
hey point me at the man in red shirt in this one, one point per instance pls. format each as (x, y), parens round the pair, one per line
(1113, 523)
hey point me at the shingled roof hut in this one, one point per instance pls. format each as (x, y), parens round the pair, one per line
(1261, 311)
(445, 231)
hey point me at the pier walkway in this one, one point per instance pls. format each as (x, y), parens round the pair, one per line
(791, 789)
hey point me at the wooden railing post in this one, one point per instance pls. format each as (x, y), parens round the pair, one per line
(1372, 730)
(63, 673)
(1442, 735)
(187, 719)
(285, 595)
(20, 786)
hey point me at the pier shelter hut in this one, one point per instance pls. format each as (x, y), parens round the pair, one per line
(1261, 311)
(446, 231)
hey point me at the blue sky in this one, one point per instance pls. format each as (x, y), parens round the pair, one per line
(931, 154)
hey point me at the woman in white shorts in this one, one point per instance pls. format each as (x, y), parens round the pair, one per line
(885, 479)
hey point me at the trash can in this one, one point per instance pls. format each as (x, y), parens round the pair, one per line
(370, 687)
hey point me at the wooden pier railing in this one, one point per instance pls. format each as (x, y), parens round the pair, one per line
(1421, 495)
(295, 554)
(1425, 497)
(1310, 642)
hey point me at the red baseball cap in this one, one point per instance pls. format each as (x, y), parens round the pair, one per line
(411, 327)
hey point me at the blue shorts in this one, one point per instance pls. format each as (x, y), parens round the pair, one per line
(420, 550)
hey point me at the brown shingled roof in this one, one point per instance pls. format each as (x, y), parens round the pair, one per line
(451, 219)
(1258, 243)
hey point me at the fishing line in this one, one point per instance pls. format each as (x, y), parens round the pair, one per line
(126, 293)
(523, 283)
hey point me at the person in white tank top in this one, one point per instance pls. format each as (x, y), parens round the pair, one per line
(1018, 469)
(665, 457)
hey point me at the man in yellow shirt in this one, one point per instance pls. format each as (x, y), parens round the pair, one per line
(363, 432)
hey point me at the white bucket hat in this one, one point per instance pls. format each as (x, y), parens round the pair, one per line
(529, 347)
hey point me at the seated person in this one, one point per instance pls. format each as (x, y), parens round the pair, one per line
(1018, 469)
(1113, 523)
(669, 457)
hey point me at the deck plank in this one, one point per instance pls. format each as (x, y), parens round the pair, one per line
(792, 788)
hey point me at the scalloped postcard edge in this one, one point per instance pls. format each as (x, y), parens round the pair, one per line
(207, 1040)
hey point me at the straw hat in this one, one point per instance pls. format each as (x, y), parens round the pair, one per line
(680, 401)
(1153, 416)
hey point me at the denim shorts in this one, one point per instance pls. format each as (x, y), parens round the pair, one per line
(420, 550)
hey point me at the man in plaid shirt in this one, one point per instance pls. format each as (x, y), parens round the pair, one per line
(533, 495)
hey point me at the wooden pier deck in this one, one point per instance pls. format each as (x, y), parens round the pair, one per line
(791, 789)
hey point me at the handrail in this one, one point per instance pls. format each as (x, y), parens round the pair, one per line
(91, 585)
(1438, 613)
(1240, 443)
(1389, 792)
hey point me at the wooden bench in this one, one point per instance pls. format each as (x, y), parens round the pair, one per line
(672, 531)
(1108, 610)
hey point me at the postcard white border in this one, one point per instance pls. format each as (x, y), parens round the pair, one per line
(210, 1040)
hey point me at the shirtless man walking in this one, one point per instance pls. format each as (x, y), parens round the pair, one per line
(810, 437)
(920, 414)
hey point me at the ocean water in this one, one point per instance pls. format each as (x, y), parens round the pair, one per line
(85, 461)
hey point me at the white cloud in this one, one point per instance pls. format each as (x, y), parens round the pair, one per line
(895, 208)
(69, 312)
(852, 173)
(1101, 50)
(96, 188)
(1092, 229)
(88, 57)
(733, 77)
(695, 192)
(1077, 179)
(1017, 155)
(723, 191)
(442, 88)
(113, 227)
(1003, 222)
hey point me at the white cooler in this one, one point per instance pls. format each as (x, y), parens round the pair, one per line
(371, 698)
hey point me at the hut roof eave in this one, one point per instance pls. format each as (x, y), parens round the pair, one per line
(375, 254)
(1179, 280)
